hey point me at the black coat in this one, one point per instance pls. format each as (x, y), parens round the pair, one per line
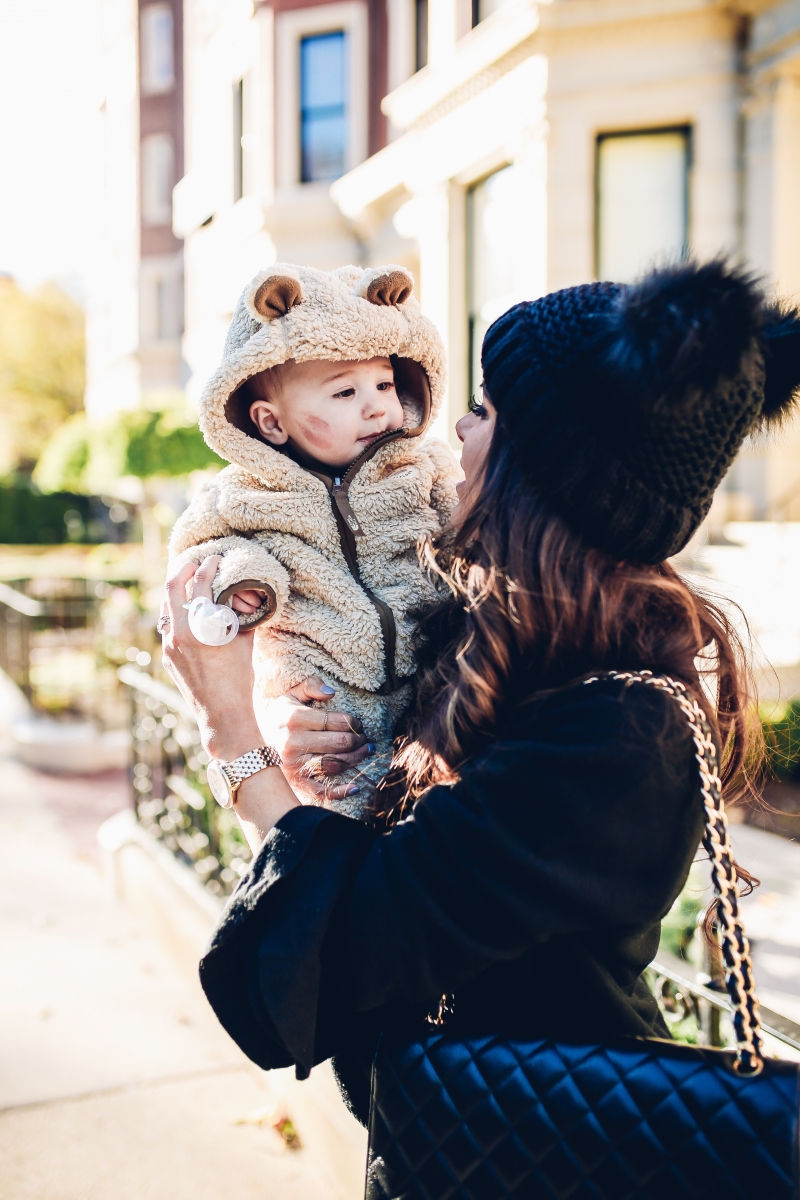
(532, 889)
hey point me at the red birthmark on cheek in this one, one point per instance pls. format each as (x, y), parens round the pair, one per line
(316, 430)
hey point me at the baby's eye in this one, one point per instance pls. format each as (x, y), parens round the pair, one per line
(386, 386)
(476, 406)
(344, 394)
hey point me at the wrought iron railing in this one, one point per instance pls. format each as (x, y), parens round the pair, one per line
(173, 803)
(67, 603)
(171, 798)
(696, 1007)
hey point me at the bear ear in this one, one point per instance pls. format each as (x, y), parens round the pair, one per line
(273, 294)
(386, 285)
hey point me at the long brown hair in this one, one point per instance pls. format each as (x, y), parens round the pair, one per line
(532, 608)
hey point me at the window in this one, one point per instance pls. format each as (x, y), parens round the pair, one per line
(158, 49)
(161, 298)
(238, 134)
(323, 106)
(493, 221)
(420, 34)
(471, 12)
(163, 313)
(158, 178)
(642, 201)
(321, 92)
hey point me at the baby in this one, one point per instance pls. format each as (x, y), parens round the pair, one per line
(327, 385)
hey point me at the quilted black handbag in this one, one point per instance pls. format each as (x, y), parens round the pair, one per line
(639, 1119)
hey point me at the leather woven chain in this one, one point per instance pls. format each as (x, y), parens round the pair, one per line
(738, 964)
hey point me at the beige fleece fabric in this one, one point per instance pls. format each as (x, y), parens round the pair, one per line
(273, 521)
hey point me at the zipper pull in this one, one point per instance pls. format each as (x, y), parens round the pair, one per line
(345, 508)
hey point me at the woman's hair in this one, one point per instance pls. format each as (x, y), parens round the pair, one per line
(532, 608)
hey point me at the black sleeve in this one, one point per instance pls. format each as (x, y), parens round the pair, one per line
(582, 818)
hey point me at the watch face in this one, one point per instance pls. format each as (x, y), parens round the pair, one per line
(220, 784)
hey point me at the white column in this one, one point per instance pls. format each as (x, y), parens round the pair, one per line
(786, 191)
(530, 162)
(442, 21)
(427, 218)
(112, 317)
(772, 248)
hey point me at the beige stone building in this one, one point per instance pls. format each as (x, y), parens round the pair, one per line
(281, 98)
(556, 142)
(135, 302)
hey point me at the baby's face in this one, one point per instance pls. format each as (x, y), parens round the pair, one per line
(330, 411)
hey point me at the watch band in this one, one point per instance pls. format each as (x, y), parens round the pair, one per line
(248, 764)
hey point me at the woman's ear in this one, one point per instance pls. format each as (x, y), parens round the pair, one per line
(268, 423)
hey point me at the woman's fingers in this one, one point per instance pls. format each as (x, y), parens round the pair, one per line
(332, 764)
(297, 717)
(204, 577)
(323, 790)
(313, 688)
(175, 592)
(316, 742)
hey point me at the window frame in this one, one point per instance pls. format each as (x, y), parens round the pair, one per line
(146, 15)
(237, 114)
(152, 216)
(684, 128)
(349, 17)
(305, 113)
(469, 267)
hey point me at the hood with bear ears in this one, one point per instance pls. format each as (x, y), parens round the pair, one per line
(290, 312)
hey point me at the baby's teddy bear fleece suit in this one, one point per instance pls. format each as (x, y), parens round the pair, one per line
(335, 554)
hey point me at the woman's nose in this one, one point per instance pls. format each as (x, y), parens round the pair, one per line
(461, 427)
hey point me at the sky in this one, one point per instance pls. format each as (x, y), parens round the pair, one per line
(50, 170)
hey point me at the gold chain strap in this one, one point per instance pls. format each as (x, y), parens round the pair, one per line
(739, 979)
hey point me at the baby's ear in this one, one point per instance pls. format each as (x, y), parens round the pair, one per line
(273, 293)
(386, 285)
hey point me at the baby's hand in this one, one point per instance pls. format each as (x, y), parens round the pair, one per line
(247, 601)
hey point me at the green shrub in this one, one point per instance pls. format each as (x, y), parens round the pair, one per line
(781, 725)
(28, 518)
(159, 439)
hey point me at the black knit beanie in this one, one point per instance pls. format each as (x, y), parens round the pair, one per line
(626, 405)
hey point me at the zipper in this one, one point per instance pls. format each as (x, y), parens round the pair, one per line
(349, 529)
(342, 502)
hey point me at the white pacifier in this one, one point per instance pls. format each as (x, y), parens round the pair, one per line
(212, 624)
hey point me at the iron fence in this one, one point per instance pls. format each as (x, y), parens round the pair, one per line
(65, 603)
(171, 797)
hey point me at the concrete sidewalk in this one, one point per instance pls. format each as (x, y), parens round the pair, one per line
(116, 1082)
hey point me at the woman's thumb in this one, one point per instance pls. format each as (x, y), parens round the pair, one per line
(313, 688)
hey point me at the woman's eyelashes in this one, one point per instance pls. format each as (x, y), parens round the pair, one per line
(477, 407)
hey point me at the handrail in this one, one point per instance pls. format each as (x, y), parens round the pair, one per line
(162, 692)
(675, 969)
(20, 602)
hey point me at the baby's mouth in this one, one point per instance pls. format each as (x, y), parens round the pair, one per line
(371, 437)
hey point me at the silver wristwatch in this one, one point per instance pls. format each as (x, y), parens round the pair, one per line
(224, 777)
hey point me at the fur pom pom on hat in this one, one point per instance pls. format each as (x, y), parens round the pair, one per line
(627, 404)
(292, 312)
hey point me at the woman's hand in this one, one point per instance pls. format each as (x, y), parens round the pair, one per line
(216, 680)
(314, 742)
(218, 683)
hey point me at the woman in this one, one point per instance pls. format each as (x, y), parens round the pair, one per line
(545, 819)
